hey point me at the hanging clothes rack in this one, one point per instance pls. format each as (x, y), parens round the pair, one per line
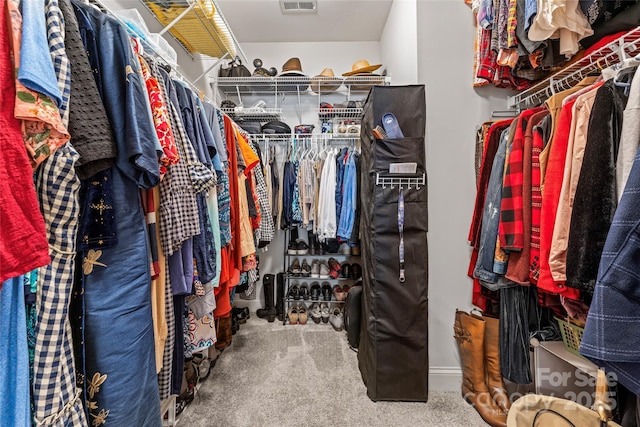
(626, 45)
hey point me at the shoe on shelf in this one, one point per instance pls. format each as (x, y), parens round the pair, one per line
(302, 314)
(345, 249)
(294, 291)
(338, 292)
(305, 268)
(324, 312)
(336, 319)
(316, 313)
(345, 291)
(315, 268)
(325, 271)
(292, 247)
(326, 291)
(304, 291)
(334, 267)
(356, 271)
(346, 271)
(294, 268)
(302, 248)
(293, 315)
(355, 250)
(315, 291)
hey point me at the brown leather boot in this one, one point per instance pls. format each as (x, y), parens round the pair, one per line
(495, 383)
(469, 333)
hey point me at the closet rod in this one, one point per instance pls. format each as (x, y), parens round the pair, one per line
(155, 54)
(626, 45)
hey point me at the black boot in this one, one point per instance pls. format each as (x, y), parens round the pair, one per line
(312, 243)
(280, 296)
(269, 311)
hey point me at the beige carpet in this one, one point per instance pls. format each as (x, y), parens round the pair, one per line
(305, 375)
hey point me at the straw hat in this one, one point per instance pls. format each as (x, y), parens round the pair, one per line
(361, 66)
(325, 82)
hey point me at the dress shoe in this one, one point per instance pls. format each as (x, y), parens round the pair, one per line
(315, 291)
(326, 291)
(346, 271)
(294, 291)
(304, 291)
(356, 271)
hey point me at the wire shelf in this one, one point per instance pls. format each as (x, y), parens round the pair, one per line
(232, 85)
(340, 113)
(254, 115)
(626, 45)
(199, 26)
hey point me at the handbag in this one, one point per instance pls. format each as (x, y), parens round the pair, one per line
(234, 69)
(535, 410)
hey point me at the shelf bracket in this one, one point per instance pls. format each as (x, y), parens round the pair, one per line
(211, 67)
(178, 18)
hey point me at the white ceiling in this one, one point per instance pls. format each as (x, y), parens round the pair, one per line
(336, 20)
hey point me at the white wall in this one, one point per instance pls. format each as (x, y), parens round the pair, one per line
(399, 43)
(454, 109)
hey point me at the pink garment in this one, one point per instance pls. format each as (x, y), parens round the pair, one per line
(572, 166)
(43, 130)
(23, 242)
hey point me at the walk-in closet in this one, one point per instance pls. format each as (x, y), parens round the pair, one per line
(323, 212)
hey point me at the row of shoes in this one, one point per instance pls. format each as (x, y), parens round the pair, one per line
(319, 312)
(304, 292)
(324, 270)
(313, 246)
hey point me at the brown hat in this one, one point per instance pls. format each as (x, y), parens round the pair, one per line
(361, 66)
(325, 82)
(292, 68)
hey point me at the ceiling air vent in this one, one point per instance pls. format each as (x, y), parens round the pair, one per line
(288, 6)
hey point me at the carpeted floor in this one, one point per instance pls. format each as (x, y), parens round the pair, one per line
(305, 375)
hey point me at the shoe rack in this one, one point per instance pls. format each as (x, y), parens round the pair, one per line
(311, 254)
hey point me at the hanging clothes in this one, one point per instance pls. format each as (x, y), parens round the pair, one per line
(14, 354)
(88, 123)
(595, 200)
(57, 400)
(119, 342)
(578, 136)
(23, 243)
(608, 339)
(43, 128)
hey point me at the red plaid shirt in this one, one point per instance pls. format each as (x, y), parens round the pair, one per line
(536, 196)
(511, 228)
